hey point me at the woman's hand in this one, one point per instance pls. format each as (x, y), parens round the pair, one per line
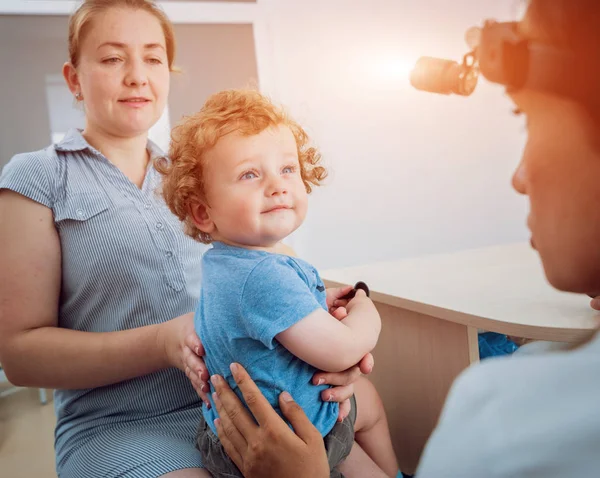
(343, 384)
(183, 350)
(268, 449)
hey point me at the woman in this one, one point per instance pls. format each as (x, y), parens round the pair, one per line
(102, 278)
(530, 415)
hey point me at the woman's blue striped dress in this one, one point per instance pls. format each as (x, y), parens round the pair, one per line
(125, 263)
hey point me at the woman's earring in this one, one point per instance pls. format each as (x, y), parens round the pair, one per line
(78, 96)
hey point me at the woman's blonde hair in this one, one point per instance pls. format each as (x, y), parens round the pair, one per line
(80, 21)
(246, 112)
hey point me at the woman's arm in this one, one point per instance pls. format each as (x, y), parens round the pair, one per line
(267, 447)
(34, 351)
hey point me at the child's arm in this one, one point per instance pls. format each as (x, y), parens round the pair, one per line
(332, 345)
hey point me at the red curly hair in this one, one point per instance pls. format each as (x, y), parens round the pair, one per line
(244, 111)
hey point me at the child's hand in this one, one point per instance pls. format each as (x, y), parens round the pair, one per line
(359, 297)
(334, 295)
(340, 313)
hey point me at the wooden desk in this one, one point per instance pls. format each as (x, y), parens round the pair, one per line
(431, 309)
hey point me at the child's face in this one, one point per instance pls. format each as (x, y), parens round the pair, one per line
(255, 194)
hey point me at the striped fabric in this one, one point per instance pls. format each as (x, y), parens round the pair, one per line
(125, 263)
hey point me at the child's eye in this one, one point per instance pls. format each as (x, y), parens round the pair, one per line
(248, 175)
(289, 170)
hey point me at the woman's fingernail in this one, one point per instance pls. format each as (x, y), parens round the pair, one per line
(215, 379)
(321, 381)
(286, 397)
(234, 368)
(330, 399)
(204, 387)
(216, 400)
(197, 350)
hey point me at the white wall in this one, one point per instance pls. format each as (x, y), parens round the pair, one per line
(411, 173)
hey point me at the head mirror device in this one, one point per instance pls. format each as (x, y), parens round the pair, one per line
(501, 55)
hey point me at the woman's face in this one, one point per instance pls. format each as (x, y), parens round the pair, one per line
(123, 73)
(560, 174)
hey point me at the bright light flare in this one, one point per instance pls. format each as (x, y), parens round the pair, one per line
(391, 71)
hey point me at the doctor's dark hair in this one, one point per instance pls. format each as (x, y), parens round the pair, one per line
(573, 25)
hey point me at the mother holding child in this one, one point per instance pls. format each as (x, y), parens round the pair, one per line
(103, 280)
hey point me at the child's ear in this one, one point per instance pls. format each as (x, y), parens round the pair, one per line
(201, 217)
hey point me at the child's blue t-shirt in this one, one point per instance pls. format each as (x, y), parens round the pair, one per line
(247, 298)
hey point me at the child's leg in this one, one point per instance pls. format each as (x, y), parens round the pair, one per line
(371, 429)
(359, 465)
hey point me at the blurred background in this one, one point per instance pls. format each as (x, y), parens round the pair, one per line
(410, 173)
